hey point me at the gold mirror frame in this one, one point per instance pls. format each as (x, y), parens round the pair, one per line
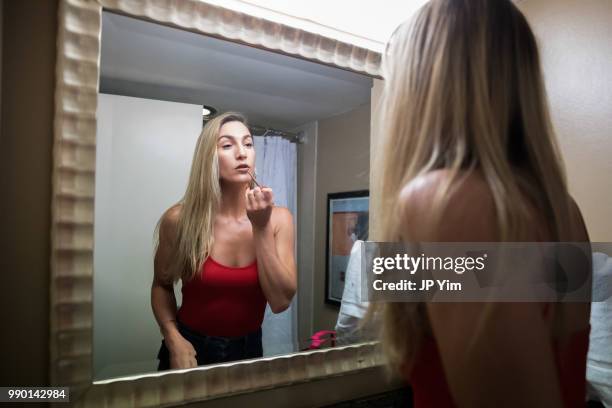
(71, 309)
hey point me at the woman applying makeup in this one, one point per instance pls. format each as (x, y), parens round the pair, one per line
(470, 155)
(232, 249)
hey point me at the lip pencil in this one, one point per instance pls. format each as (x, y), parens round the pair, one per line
(254, 179)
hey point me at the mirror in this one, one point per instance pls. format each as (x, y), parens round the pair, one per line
(310, 128)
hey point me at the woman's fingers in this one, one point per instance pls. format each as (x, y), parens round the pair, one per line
(258, 198)
(250, 200)
(257, 194)
(268, 195)
(264, 195)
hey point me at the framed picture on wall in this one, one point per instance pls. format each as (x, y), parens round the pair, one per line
(347, 222)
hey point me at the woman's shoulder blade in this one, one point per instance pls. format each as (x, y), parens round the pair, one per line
(469, 208)
(467, 187)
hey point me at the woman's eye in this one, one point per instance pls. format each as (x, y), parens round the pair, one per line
(249, 144)
(227, 146)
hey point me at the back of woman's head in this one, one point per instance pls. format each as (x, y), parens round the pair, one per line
(464, 90)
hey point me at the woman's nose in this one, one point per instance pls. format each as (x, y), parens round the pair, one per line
(241, 151)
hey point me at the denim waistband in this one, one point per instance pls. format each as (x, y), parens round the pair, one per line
(226, 339)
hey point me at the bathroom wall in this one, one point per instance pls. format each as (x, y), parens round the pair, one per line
(334, 158)
(375, 148)
(143, 155)
(575, 42)
(1, 8)
(343, 164)
(28, 76)
(305, 234)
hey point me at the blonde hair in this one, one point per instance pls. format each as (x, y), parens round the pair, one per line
(463, 90)
(195, 229)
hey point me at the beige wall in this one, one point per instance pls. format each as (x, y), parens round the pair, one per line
(28, 73)
(343, 164)
(375, 148)
(575, 39)
(1, 8)
(307, 179)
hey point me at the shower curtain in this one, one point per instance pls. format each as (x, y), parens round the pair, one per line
(276, 167)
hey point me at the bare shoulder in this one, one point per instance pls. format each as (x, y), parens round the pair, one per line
(468, 216)
(281, 216)
(578, 225)
(169, 220)
(167, 237)
(172, 214)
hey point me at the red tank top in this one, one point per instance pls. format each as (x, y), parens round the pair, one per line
(223, 301)
(430, 389)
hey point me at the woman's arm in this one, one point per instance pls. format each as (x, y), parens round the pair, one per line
(163, 301)
(273, 234)
(493, 354)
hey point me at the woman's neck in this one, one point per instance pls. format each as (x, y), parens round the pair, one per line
(233, 200)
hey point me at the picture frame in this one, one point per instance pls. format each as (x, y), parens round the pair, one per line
(347, 221)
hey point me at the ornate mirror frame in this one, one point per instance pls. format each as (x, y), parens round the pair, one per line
(71, 309)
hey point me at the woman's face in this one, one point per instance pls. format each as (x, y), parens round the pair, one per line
(236, 153)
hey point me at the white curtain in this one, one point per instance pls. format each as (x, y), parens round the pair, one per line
(276, 167)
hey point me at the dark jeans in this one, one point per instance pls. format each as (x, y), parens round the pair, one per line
(214, 349)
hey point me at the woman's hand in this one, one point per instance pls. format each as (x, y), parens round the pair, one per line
(182, 353)
(259, 203)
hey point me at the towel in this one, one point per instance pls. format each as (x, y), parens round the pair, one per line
(352, 308)
(599, 357)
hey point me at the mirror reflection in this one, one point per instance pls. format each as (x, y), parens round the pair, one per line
(214, 165)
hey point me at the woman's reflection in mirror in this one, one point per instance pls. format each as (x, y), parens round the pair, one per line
(231, 248)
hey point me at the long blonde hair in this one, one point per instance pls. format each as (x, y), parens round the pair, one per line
(463, 90)
(195, 229)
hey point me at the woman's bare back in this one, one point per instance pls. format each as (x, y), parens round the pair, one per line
(471, 217)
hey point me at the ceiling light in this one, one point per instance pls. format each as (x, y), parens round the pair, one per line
(208, 111)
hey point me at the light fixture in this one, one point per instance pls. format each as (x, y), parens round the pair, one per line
(208, 111)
